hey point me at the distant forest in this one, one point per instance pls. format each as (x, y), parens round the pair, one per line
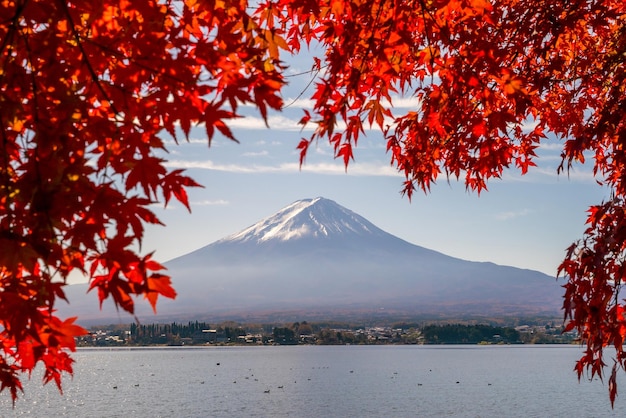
(469, 334)
(229, 333)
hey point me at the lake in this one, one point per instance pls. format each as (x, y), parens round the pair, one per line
(322, 381)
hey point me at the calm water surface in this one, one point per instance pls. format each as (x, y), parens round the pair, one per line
(322, 381)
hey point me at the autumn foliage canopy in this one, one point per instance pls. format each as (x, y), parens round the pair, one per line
(90, 89)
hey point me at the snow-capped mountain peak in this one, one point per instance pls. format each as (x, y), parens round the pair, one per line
(315, 254)
(317, 218)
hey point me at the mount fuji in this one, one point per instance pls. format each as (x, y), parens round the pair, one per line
(314, 255)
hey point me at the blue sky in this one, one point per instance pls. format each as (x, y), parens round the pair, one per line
(523, 221)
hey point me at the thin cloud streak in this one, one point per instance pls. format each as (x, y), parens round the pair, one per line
(397, 102)
(356, 169)
(535, 174)
(278, 122)
(284, 123)
(553, 146)
(549, 174)
(263, 153)
(219, 202)
(174, 205)
(506, 216)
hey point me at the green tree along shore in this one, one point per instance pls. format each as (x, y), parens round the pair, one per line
(196, 333)
(469, 334)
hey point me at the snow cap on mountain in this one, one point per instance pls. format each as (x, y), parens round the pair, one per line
(317, 217)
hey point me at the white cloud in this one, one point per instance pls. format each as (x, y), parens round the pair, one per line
(529, 125)
(399, 102)
(403, 102)
(170, 143)
(573, 174)
(175, 205)
(219, 202)
(334, 168)
(278, 122)
(505, 216)
(357, 169)
(542, 158)
(324, 149)
(549, 174)
(255, 154)
(299, 103)
(552, 146)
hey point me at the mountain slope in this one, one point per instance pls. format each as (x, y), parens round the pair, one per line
(317, 255)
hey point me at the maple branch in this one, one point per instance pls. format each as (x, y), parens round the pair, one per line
(424, 10)
(7, 42)
(41, 232)
(33, 79)
(370, 41)
(152, 70)
(35, 113)
(94, 77)
(13, 27)
(305, 87)
(4, 173)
